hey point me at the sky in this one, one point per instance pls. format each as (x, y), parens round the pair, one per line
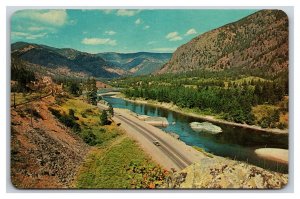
(124, 31)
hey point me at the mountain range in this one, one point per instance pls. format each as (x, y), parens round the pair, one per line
(258, 42)
(71, 61)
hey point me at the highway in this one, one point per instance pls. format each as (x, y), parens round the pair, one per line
(169, 153)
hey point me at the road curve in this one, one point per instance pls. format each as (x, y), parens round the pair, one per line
(171, 153)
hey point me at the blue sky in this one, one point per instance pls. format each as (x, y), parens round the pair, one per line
(117, 30)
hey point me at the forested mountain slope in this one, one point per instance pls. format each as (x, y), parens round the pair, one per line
(258, 42)
(105, 65)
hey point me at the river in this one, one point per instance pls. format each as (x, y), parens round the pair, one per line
(234, 142)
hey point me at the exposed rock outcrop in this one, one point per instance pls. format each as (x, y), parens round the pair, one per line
(220, 173)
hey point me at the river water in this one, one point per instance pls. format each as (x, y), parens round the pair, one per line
(234, 142)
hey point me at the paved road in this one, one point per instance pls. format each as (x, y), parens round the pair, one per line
(171, 153)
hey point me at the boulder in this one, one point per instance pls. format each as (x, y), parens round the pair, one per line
(157, 121)
(205, 127)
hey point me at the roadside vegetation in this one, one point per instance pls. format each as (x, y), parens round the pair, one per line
(115, 161)
(121, 165)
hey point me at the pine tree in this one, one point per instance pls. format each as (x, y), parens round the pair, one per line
(103, 118)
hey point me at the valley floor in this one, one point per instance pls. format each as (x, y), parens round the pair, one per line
(47, 154)
(195, 113)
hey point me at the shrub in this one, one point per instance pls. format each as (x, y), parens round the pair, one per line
(90, 138)
(281, 125)
(54, 112)
(34, 113)
(67, 120)
(146, 175)
(72, 114)
(103, 118)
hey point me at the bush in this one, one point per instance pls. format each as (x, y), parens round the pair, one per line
(72, 114)
(67, 120)
(90, 138)
(145, 175)
(34, 113)
(54, 112)
(103, 118)
(281, 125)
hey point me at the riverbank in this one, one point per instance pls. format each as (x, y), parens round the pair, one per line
(209, 118)
(204, 170)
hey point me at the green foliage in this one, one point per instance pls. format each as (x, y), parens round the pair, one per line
(22, 75)
(72, 113)
(111, 110)
(90, 138)
(54, 112)
(91, 91)
(123, 165)
(226, 93)
(268, 116)
(67, 120)
(74, 88)
(145, 175)
(103, 118)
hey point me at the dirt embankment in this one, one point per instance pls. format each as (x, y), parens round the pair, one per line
(44, 153)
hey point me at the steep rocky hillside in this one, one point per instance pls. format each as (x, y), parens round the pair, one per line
(46, 154)
(257, 42)
(106, 65)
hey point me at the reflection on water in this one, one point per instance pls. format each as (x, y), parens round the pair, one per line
(235, 142)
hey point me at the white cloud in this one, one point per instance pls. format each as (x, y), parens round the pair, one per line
(36, 28)
(138, 21)
(173, 36)
(191, 31)
(127, 13)
(163, 49)
(28, 35)
(99, 41)
(41, 35)
(146, 27)
(151, 42)
(52, 17)
(110, 32)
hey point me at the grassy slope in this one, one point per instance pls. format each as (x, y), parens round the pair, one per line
(109, 168)
(111, 161)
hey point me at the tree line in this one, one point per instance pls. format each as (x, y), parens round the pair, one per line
(230, 99)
